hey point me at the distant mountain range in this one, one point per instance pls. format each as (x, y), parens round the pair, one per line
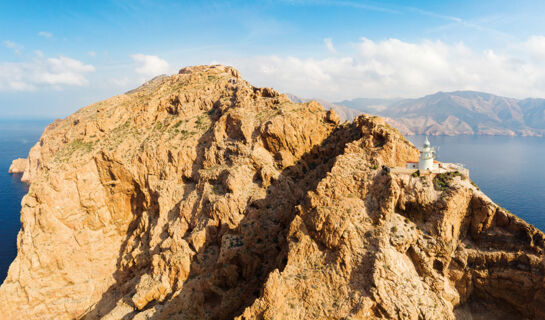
(453, 113)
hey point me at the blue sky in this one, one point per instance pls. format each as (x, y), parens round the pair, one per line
(58, 56)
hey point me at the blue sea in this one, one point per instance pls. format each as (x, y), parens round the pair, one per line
(511, 170)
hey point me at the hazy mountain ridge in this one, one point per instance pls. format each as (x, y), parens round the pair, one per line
(369, 105)
(459, 113)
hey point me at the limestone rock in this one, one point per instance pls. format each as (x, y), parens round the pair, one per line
(199, 196)
(18, 165)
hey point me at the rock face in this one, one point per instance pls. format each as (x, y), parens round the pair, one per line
(199, 196)
(18, 166)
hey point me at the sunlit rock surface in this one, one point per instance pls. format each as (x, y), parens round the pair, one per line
(199, 196)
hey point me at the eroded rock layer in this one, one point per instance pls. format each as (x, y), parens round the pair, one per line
(199, 196)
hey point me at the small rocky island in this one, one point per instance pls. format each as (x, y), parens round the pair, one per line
(200, 196)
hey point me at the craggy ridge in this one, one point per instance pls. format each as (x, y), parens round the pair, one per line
(199, 196)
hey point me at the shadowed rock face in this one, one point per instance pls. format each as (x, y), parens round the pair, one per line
(199, 196)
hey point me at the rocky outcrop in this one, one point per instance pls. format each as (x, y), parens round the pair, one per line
(344, 113)
(371, 245)
(199, 196)
(18, 166)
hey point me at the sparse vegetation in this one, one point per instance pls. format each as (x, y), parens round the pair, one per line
(177, 124)
(175, 130)
(203, 122)
(75, 146)
(120, 134)
(235, 242)
(186, 134)
(158, 126)
(218, 189)
(443, 181)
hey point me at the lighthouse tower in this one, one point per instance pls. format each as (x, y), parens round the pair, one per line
(427, 155)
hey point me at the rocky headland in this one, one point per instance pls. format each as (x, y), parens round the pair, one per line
(18, 166)
(200, 196)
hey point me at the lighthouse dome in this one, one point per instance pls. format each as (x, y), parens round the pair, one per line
(427, 143)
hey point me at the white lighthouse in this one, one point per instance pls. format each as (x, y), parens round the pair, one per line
(427, 155)
(427, 164)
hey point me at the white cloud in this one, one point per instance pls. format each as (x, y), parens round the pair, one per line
(92, 53)
(45, 34)
(43, 72)
(329, 45)
(536, 47)
(149, 65)
(393, 68)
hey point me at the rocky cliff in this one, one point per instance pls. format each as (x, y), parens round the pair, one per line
(199, 196)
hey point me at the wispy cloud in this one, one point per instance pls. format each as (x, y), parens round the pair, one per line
(17, 48)
(149, 65)
(433, 14)
(42, 72)
(329, 45)
(10, 44)
(452, 21)
(350, 4)
(45, 34)
(393, 67)
(92, 53)
(365, 6)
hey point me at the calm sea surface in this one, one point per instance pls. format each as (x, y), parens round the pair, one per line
(511, 170)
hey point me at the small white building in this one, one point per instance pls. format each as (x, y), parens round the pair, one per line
(426, 161)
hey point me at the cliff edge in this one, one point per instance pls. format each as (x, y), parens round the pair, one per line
(199, 196)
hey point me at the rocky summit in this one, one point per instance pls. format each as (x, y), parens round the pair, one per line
(200, 196)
